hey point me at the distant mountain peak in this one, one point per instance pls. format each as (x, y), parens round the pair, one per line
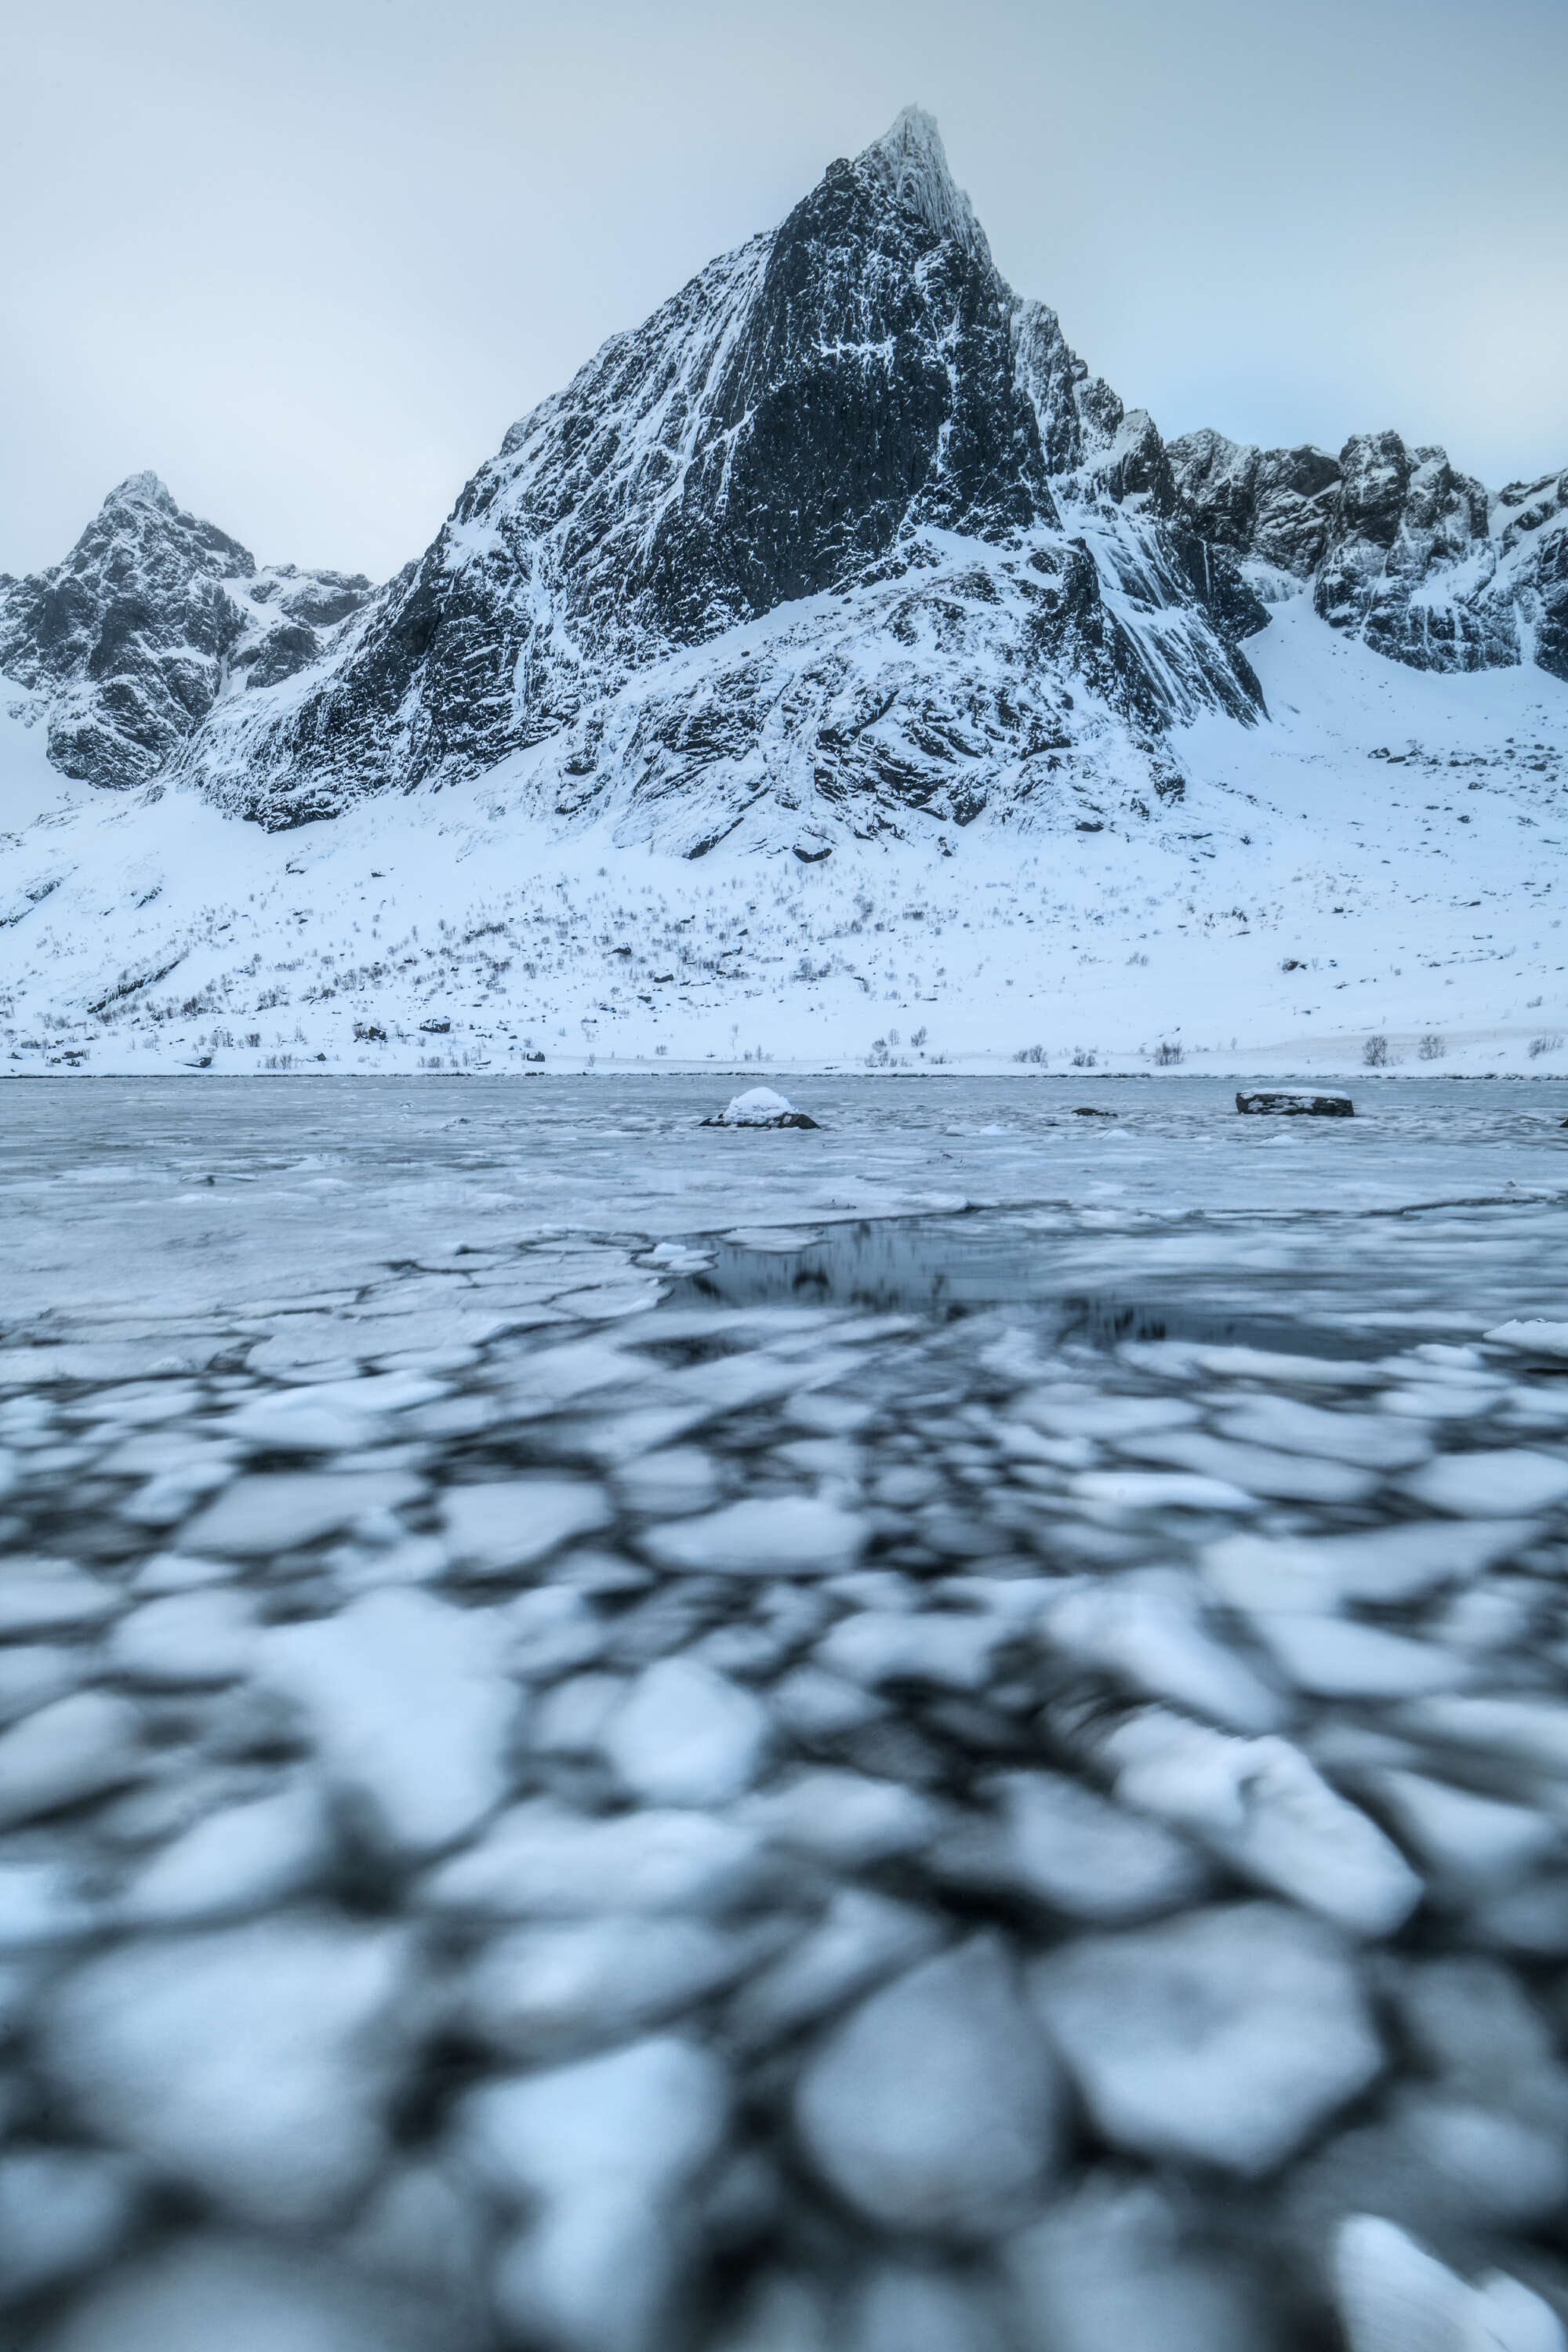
(143, 489)
(911, 162)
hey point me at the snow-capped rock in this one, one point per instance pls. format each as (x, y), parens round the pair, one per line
(760, 1107)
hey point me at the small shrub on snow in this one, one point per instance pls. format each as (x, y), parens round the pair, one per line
(1431, 1049)
(1166, 1054)
(1374, 1053)
(1539, 1045)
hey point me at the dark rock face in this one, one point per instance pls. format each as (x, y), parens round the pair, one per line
(1400, 549)
(132, 638)
(1273, 504)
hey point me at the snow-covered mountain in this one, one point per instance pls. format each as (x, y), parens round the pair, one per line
(843, 552)
(152, 616)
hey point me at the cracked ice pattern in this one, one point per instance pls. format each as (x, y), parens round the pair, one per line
(891, 1780)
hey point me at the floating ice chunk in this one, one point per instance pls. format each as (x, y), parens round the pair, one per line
(935, 2107)
(607, 2153)
(1256, 1469)
(242, 1858)
(814, 1705)
(206, 1636)
(1111, 2267)
(541, 1860)
(252, 2064)
(1334, 1657)
(1148, 1637)
(408, 1712)
(554, 1628)
(1062, 1846)
(782, 1535)
(41, 1902)
(845, 1819)
(1108, 1417)
(47, 1597)
(947, 1649)
(280, 1510)
(1159, 1490)
(1471, 2022)
(1385, 1564)
(555, 1986)
(1393, 2297)
(206, 2291)
(862, 1939)
(299, 1420)
(1484, 1486)
(1471, 1842)
(1223, 2038)
(663, 1485)
(913, 2307)
(78, 1748)
(34, 1673)
(1260, 1806)
(509, 1524)
(178, 1571)
(1525, 1730)
(1531, 1338)
(1367, 1439)
(687, 1736)
(759, 1106)
(63, 2211)
(1240, 1363)
(571, 1719)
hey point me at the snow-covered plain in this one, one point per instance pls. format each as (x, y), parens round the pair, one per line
(943, 1730)
(1383, 856)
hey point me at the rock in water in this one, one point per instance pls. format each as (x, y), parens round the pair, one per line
(760, 1107)
(935, 2107)
(1293, 1103)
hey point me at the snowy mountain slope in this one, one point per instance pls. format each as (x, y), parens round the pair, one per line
(1384, 857)
(1419, 560)
(834, 662)
(126, 645)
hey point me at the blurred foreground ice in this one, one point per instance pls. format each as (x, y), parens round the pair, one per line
(777, 1819)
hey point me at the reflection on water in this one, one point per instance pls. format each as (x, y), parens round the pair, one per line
(952, 1266)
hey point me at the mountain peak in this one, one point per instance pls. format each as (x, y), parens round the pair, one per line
(143, 489)
(912, 162)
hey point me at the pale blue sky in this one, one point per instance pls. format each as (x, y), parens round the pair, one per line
(308, 260)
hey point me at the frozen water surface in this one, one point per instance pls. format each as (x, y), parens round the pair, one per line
(626, 1737)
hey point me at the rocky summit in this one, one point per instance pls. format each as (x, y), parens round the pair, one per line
(151, 618)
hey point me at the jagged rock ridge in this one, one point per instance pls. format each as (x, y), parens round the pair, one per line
(1401, 549)
(132, 638)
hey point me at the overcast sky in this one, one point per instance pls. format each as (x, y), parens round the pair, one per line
(308, 259)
